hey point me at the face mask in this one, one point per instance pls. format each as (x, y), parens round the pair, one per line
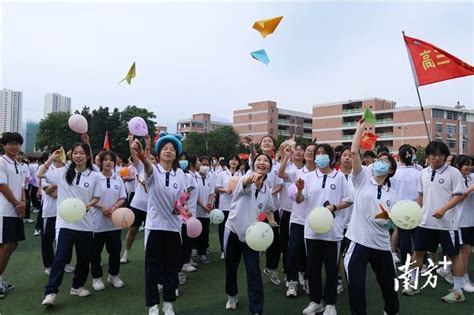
(413, 158)
(204, 169)
(380, 168)
(322, 160)
(183, 164)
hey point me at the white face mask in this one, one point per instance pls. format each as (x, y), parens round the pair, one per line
(204, 169)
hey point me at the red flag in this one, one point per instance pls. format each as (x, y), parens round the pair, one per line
(431, 64)
(106, 141)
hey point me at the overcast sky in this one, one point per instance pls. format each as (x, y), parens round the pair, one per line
(195, 57)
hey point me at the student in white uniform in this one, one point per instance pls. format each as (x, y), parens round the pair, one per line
(105, 232)
(12, 203)
(225, 195)
(328, 188)
(296, 259)
(251, 196)
(163, 252)
(466, 216)
(25, 170)
(370, 238)
(130, 182)
(440, 189)
(77, 180)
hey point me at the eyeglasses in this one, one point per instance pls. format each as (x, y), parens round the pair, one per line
(436, 155)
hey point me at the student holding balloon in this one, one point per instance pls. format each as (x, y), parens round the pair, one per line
(368, 231)
(163, 251)
(251, 196)
(328, 188)
(105, 232)
(77, 180)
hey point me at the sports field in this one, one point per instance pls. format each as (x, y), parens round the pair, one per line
(202, 294)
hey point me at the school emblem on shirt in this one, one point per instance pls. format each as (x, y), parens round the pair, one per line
(388, 203)
(116, 187)
(86, 184)
(333, 187)
(441, 181)
(175, 186)
(260, 206)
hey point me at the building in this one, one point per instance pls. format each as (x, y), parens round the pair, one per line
(54, 102)
(335, 123)
(200, 123)
(32, 128)
(11, 103)
(265, 118)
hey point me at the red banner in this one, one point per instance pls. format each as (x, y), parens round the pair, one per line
(106, 141)
(431, 64)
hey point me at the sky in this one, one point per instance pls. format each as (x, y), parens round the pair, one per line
(194, 57)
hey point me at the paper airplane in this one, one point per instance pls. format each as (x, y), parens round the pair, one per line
(261, 56)
(383, 214)
(130, 75)
(369, 117)
(268, 26)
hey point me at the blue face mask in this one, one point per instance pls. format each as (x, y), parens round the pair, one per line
(322, 160)
(380, 168)
(183, 164)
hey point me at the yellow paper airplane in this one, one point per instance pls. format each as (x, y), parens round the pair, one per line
(130, 75)
(63, 156)
(268, 26)
(383, 214)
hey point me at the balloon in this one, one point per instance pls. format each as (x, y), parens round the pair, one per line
(259, 236)
(72, 210)
(124, 172)
(320, 219)
(292, 190)
(77, 123)
(261, 216)
(123, 217)
(137, 127)
(193, 227)
(216, 216)
(406, 214)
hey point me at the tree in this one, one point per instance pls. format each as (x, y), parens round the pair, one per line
(223, 141)
(54, 130)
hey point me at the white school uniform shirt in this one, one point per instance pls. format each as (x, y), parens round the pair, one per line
(222, 181)
(466, 209)
(191, 181)
(319, 190)
(405, 179)
(298, 210)
(164, 188)
(130, 184)
(347, 212)
(245, 207)
(25, 170)
(284, 201)
(50, 203)
(363, 228)
(272, 180)
(84, 187)
(113, 189)
(140, 199)
(437, 189)
(205, 187)
(10, 175)
(33, 169)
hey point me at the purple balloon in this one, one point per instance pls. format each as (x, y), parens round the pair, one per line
(292, 190)
(137, 127)
(193, 227)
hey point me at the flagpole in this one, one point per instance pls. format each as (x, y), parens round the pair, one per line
(417, 90)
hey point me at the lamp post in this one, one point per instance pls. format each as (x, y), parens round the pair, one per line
(402, 128)
(461, 108)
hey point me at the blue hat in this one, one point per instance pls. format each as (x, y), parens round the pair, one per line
(175, 139)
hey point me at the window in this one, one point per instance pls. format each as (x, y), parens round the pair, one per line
(437, 113)
(450, 129)
(464, 144)
(249, 127)
(451, 143)
(464, 130)
(271, 120)
(452, 115)
(439, 127)
(271, 131)
(250, 116)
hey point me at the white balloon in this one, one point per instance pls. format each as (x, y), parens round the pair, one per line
(78, 123)
(259, 236)
(72, 210)
(216, 216)
(406, 214)
(320, 219)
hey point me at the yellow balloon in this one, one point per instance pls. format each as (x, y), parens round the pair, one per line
(406, 214)
(72, 210)
(259, 236)
(320, 219)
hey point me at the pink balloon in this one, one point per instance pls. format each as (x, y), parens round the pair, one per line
(292, 190)
(78, 123)
(123, 217)
(193, 227)
(137, 127)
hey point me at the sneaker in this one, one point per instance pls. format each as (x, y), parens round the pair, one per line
(168, 308)
(47, 271)
(330, 310)
(292, 291)
(313, 308)
(35, 210)
(306, 286)
(194, 253)
(160, 288)
(301, 278)
(188, 268)
(272, 275)
(2, 292)
(340, 286)
(468, 287)
(124, 260)
(37, 232)
(141, 228)
(80, 292)
(396, 260)
(176, 293)
(453, 297)
(49, 299)
(98, 284)
(203, 259)
(193, 263)
(446, 274)
(7, 286)
(154, 310)
(28, 221)
(115, 280)
(222, 256)
(410, 291)
(181, 277)
(423, 269)
(69, 268)
(231, 303)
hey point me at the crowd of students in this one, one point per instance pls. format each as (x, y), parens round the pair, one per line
(353, 186)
